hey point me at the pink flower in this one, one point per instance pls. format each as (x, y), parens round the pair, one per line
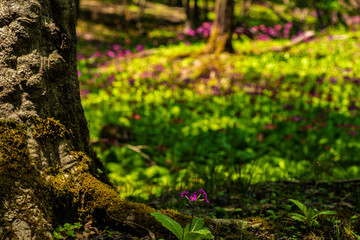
(97, 54)
(137, 116)
(288, 25)
(84, 92)
(116, 47)
(278, 27)
(191, 32)
(262, 28)
(111, 54)
(79, 56)
(79, 73)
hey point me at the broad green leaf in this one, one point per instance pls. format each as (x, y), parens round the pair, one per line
(315, 223)
(298, 217)
(311, 214)
(197, 224)
(168, 223)
(192, 236)
(301, 206)
(200, 234)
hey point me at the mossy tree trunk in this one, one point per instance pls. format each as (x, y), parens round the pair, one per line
(49, 173)
(220, 38)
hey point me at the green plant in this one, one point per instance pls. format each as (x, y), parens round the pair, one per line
(66, 231)
(309, 216)
(192, 231)
(353, 220)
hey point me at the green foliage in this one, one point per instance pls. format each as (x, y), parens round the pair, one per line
(247, 118)
(308, 216)
(67, 231)
(197, 231)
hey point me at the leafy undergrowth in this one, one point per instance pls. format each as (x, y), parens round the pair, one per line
(264, 212)
(254, 128)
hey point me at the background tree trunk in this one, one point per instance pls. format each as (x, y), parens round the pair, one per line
(221, 32)
(49, 173)
(188, 23)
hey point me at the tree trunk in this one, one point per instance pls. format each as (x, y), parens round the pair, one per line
(196, 14)
(49, 173)
(220, 39)
(126, 10)
(192, 15)
(188, 23)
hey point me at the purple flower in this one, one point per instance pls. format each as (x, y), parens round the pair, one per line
(140, 47)
(79, 73)
(193, 197)
(333, 80)
(202, 196)
(131, 81)
(184, 194)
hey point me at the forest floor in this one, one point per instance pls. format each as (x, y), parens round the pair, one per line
(265, 212)
(258, 211)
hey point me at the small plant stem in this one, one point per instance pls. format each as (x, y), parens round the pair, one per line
(192, 215)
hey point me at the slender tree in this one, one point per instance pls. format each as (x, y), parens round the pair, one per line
(49, 173)
(192, 15)
(220, 39)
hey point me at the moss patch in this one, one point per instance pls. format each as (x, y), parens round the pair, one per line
(20, 178)
(71, 195)
(49, 129)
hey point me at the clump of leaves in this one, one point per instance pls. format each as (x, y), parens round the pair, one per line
(308, 216)
(67, 231)
(193, 230)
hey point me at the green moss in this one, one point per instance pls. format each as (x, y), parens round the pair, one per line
(73, 194)
(49, 129)
(18, 172)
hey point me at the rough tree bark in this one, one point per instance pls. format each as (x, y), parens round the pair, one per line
(220, 39)
(49, 174)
